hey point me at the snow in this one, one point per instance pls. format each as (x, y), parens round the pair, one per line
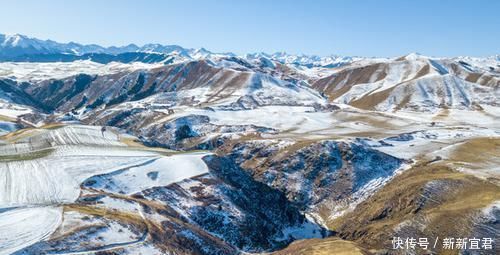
(314, 72)
(32, 71)
(430, 140)
(296, 118)
(395, 73)
(427, 93)
(303, 60)
(16, 40)
(487, 118)
(31, 190)
(56, 178)
(98, 234)
(6, 127)
(254, 89)
(489, 211)
(406, 87)
(306, 230)
(357, 91)
(158, 172)
(282, 91)
(76, 135)
(22, 227)
(13, 113)
(143, 249)
(119, 205)
(348, 205)
(483, 64)
(115, 233)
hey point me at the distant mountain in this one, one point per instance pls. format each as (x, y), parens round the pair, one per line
(21, 48)
(304, 60)
(414, 82)
(263, 150)
(18, 45)
(201, 78)
(102, 58)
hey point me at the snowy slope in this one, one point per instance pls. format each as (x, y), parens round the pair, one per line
(37, 184)
(30, 71)
(17, 45)
(157, 172)
(414, 82)
(291, 135)
(21, 227)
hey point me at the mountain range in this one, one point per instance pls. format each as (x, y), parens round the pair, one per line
(23, 48)
(161, 149)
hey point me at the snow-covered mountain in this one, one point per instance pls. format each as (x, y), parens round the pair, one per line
(23, 48)
(304, 60)
(16, 45)
(415, 82)
(141, 97)
(161, 149)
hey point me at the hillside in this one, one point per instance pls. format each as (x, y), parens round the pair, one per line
(159, 149)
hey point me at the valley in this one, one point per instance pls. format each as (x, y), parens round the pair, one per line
(184, 151)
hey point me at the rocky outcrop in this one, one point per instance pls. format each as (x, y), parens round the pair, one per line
(231, 205)
(313, 173)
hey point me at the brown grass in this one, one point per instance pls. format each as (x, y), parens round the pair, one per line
(338, 84)
(132, 142)
(480, 156)
(27, 156)
(373, 221)
(371, 119)
(369, 101)
(120, 216)
(7, 118)
(423, 71)
(25, 132)
(54, 125)
(230, 82)
(473, 77)
(323, 247)
(477, 150)
(17, 135)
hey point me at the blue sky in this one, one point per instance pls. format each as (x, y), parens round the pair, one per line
(363, 28)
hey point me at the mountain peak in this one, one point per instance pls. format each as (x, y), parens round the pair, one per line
(25, 45)
(13, 40)
(414, 56)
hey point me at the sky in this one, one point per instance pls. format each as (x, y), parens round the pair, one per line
(383, 28)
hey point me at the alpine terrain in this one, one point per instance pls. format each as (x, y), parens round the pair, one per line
(159, 149)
